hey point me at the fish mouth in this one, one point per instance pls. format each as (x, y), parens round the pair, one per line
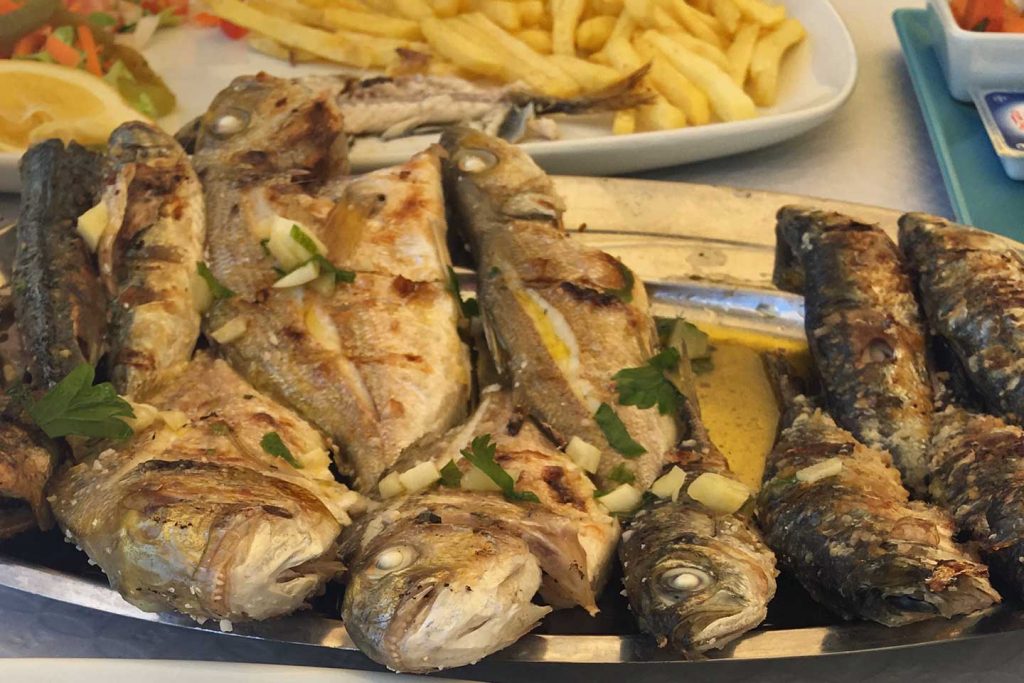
(715, 622)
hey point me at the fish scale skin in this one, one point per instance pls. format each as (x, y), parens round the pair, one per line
(863, 329)
(971, 285)
(58, 298)
(854, 540)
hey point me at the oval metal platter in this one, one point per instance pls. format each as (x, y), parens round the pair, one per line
(705, 252)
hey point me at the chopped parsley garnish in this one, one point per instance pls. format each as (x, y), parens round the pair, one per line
(481, 454)
(272, 444)
(616, 433)
(647, 385)
(622, 474)
(77, 407)
(451, 475)
(625, 292)
(326, 267)
(469, 307)
(219, 428)
(217, 290)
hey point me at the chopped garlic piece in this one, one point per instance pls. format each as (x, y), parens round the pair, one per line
(625, 498)
(669, 484)
(419, 477)
(288, 253)
(584, 454)
(391, 486)
(820, 470)
(474, 479)
(175, 419)
(92, 224)
(230, 331)
(300, 276)
(202, 297)
(721, 494)
(145, 415)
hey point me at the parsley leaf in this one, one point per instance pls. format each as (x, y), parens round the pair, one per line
(470, 308)
(451, 475)
(625, 292)
(481, 454)
(272, 444)
(647, 385)
(326, 267)
(622, 474)
(217, 290)
(615, 432)
(74, 406)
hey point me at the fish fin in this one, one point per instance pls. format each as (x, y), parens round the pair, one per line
(624, 94)
(512, 126)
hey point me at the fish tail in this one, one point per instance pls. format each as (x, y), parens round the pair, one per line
(623, 94)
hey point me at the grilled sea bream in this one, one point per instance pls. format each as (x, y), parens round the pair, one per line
(863, 329)
(198, 514)
(375, 361)
(561, 318)
(445, 576)
(971, 285)
(27, 460)
(58, 298)
(840, 522)
(148, 249)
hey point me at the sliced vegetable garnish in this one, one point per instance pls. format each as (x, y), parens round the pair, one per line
(326, 267)
(469, 307)
(481, 454)
(217, 290)
(616, 433)
(451, 475)
(271, 443)
(77, 407)
(647, 385)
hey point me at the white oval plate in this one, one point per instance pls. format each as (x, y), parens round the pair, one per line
(817, 77)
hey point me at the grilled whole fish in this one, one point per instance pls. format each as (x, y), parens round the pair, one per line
(147, 256)
(695, 579)
(27, 460)
(863, 329)
(971, 285)
(444, 577)
(561, 318)
(850, 535)
(58, 298)
(376, 363)
(200, 518)
(978, 475)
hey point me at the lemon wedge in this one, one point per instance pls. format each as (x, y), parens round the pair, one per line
(40, 101)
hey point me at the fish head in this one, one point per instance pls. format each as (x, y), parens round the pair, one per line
(140, 142)
(692, 588)
(424, 595)
(261, 125)
(490, 177)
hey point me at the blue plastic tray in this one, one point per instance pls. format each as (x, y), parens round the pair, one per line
(979, 190)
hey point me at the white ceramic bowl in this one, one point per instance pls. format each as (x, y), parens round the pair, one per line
(972, 59)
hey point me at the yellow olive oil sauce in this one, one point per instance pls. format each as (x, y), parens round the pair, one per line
(736, 399)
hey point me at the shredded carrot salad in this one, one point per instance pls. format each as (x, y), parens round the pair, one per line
(989, 16)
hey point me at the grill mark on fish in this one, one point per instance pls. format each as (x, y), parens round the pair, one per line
(589, 294)
(863, 330)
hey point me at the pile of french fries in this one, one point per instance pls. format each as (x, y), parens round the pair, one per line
(710, 60)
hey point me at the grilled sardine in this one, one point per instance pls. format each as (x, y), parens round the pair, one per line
(147, 255)
(840, 522)
(196, 513)
(863, 329)
(561, 318)
(971, 285)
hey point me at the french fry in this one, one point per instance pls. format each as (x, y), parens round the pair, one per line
(624, 27)
(521, 60)
(662, 20)
(674, 86)
(611, 8)
(641, 12)
(727, 99)
(624, 122)
(625, 59)
(659, 115)
(504, 13)
(621, 55)
(358, 5)
(371, 23)
(290, 9)
(696, 22)
(588, 75)
(593, 33)
(565, 17)
(761, 12)
(705, 50)
(740, 52)
(537, 38)
(445, 8)
(764, 63)
(274, 49)
(531, 12)
(459, 50)
(702, 5)
(412, 9)
(728, 13)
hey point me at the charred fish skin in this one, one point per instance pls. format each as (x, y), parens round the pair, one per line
(562, 319)
(863, 329)
(198, 517)
(148, 254)
(971, 285)
(978, 464)
(59, 301)
(850, 534)
(27, 461)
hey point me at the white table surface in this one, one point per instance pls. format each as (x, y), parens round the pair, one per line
(875, 151)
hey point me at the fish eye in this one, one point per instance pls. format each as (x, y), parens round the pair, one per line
(682, 581)
(231, 122)
(475, 160)
(391, 560)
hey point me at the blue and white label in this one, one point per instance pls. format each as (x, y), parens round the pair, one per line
(1008, 114)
